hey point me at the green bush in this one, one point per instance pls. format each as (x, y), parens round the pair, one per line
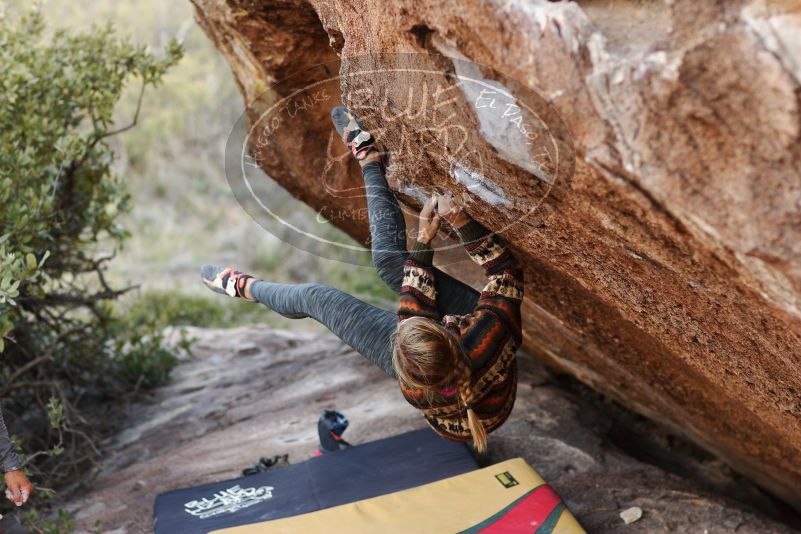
(202, 310)
(179, 309)
(65, 351)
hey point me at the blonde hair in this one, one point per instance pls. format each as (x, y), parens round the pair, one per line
(428, 357)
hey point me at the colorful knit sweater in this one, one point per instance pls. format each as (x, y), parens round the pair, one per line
(490, 336)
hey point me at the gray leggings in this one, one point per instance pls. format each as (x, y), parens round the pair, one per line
(364, 327)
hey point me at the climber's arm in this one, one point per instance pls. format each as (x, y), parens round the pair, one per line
(418, 295)
(18, 487)
(503, 292)
(9, 461)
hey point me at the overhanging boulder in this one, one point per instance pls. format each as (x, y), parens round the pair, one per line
(663, 261)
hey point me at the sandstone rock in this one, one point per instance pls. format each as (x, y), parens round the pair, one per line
(663, 259)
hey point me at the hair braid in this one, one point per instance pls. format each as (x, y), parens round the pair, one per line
(477, 429)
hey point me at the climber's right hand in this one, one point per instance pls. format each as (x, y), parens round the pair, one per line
(18, 487)
(429, 221)
(451, 210)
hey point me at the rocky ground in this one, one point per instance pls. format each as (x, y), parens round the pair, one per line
(253, 391)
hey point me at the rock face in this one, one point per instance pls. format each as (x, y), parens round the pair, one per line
(658, 213)
(252, 391)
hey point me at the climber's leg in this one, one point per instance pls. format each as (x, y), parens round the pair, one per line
(387, 226)
(365, 328)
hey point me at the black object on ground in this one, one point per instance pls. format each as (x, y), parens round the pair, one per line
(330, 428)
(265, 464)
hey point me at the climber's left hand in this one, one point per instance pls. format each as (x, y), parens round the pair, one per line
(429, 221)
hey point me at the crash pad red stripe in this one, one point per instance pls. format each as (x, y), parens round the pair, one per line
(527, 515)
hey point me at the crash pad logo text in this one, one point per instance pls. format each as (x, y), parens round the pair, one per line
(227, 501)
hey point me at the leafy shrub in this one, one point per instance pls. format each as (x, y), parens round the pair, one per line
(179, 309)
(65, 351)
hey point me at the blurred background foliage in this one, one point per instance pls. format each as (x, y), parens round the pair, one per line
(67, 352)
(183, 212)
(89, 284)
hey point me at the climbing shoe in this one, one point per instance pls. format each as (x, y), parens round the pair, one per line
(358, 140)
(225, 281)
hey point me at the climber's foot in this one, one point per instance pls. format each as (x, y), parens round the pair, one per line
(227, 281)
(360, 142)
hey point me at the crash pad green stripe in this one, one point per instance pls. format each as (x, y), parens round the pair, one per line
(553, 519)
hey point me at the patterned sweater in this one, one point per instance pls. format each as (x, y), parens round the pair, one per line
(490, 336)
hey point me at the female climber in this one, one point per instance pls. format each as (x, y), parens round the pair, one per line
(451, 348)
